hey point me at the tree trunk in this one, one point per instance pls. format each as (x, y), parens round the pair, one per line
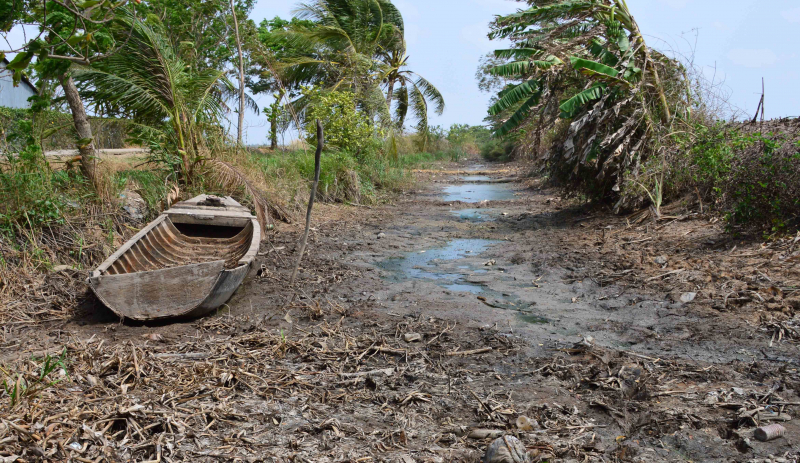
(274, 114)
(390, 93)
(83, 128)
(241, 75)
(665, 112)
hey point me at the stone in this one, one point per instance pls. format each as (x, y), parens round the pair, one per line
(133, 204)
(688, 297)
(412, 337)
(61, 268)
(660, 260)
(506, 449)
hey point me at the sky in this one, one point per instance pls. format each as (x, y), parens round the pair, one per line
(735, 42)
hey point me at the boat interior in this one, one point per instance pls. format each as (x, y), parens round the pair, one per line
(171, 244)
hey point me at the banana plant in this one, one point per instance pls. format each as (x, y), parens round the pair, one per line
(584, 61)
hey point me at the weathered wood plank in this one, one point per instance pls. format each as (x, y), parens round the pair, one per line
(168, 292)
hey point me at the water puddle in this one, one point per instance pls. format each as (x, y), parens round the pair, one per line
(474, 215)
(531, 318)
(477, 192)
(424, 265)
(476, 178)
(436, 265)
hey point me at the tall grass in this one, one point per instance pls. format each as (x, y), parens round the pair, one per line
(344, 177)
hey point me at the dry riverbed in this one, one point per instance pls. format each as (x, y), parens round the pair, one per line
(422, 329)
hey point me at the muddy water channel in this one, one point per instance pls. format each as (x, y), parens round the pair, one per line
(463, 267)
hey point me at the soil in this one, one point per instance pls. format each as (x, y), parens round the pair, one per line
(422, 329)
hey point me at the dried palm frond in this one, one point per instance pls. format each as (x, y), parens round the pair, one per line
(173, 196)
(228, 176)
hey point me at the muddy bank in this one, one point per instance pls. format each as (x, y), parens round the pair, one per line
(458, 308)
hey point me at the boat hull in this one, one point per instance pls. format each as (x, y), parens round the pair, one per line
(152, 276)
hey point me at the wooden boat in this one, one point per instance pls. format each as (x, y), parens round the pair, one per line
(187, 262)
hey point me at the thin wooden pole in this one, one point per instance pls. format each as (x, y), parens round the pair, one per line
(317, 157)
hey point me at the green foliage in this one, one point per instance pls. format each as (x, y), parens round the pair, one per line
(346, 128)
(498, 150)
(148, 183)
(200, 29)
(29, 386)
(467, 140)
(762, 188)
(174, 107)
(581, 61)
(28, 186)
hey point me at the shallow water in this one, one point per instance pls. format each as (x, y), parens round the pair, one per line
(477, 192)
(428, 265)
(474, 215)
(476, 178)
(423, 265)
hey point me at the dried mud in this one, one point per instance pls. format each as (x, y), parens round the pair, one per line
(529, 305)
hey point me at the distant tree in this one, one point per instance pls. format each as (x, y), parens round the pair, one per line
(68, 32)
(414, 91)
(271, 47)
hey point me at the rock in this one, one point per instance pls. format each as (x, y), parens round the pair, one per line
(688, 297)
(737, 390)
(481, 433)
(381, 235)
(660, 260)
(412, 337)
(61, 268)
(506, 449)
(490, 263)
(525, 424)
(133, 204)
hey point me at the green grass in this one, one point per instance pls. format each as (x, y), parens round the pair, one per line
(344, 177)
(150, 184)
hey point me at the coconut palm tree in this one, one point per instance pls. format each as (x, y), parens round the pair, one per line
(169, 103)
(414, 91)
(343, 47)
(346, 37)
(176, 110)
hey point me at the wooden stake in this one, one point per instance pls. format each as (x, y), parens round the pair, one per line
(317, 155)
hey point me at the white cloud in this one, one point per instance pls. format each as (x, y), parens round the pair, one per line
(793, 15)
(753, 58)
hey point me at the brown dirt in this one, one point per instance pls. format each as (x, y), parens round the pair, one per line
(576, 326)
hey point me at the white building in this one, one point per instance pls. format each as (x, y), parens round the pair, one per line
(14, 97)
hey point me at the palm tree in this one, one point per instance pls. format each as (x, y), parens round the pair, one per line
(169, 103)
(174, 109)
(343, 46)
(415, 91)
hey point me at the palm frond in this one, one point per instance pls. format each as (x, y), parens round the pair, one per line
(229, 177)
(514, 94)
(430, 93)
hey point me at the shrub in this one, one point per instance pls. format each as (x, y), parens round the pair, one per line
(763, 187)
(346, 128)
(498, 150)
